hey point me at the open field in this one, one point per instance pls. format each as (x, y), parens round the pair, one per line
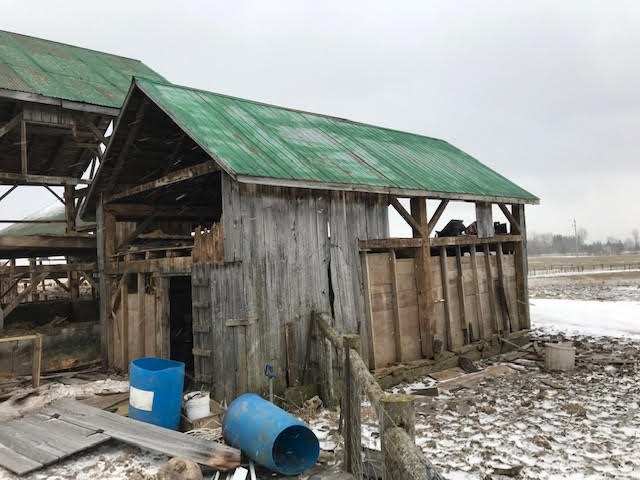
(585, 278)
(541, 265)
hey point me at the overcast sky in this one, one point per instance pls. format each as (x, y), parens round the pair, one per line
(547, 93)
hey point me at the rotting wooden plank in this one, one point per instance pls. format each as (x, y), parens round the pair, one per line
(476, 289)
(366, 280)
(491, 289)
(292, 356)
(397, 336)
(465, 321)
(23, 444)
(148, 436)
(503, 292)
(444, 277)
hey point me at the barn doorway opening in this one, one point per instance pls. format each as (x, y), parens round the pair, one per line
(180, 324)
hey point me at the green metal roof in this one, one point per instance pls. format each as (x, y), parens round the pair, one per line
(52, 212)
(258, 142)
(53, 69)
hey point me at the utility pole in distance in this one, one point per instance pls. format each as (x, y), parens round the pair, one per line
(575, 232)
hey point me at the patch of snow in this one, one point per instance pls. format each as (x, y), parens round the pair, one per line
(586, 317)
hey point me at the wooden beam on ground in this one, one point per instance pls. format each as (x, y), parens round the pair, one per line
(10, 125)
(444, 276)
(124, 152)
(465, 323)
(146, 435)
(515, 225)
(176, 176)
(417, 228)
(437, 214)
(424, 277)
(395, 302)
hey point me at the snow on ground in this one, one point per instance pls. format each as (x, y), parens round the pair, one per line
(587, 317)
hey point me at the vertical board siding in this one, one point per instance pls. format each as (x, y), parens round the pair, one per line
(380, 288)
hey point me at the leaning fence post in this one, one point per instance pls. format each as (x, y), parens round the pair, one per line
(396, 410)
(351, 408)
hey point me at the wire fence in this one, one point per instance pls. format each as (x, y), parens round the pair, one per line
(568, 269)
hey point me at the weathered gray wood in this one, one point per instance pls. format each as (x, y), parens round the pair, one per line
(484, 220)
(404, 460)
(444, 276)
(503, 291)
(476, 290)
(436, 215)
(16, 462)
(522, 268)
(465, 321)
(351, 408)
(396, 410)
(370, 334)
(493, 300)
(145, 435)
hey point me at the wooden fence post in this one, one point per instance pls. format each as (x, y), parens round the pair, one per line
(396, 410)
(351, 409)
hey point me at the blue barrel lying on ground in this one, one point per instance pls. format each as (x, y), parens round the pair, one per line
(269, 435)
(155, 391)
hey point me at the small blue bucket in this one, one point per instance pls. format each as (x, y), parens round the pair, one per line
(269, 435)
(155, 391)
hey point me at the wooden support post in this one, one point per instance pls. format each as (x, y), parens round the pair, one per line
(515, 226)
(424, 280)
(396, 411)
(351, 409)
(491, 289)
(522, 268)
(419, 230)
(325, 365)
(395, 306)
(503, 292)
(368, 305)
(36, 361)
(465, 321)
(123, 325)
(69, 209)
(105, 238)
(476, 290)
(140, 321)
(23, 148)
(33, 293)
(444, 276)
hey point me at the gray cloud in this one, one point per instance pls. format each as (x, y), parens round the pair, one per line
(545, 92)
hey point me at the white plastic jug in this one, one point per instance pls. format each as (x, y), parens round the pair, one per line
(196, 405)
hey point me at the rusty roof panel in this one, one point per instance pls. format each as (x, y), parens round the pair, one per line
(52, 69)
(259, 140)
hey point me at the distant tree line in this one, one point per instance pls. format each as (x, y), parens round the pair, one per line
(551, 243)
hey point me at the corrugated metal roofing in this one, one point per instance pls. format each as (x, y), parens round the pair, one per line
(253, 139)
(53, 69)
(54, 211)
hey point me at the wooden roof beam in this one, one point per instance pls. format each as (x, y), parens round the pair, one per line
(10, 125)
(407, 217)
(437, 214)
(21, 179)
(176, 176)
(515, 225)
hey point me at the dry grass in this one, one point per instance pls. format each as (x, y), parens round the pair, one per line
(546, 262)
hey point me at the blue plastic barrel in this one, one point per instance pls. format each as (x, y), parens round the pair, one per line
(155, 391)
(269, 435)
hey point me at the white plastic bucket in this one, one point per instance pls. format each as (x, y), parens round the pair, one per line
(196, 405)
(560, 356)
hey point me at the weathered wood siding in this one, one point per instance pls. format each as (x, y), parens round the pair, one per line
(282, 249)
(477, 306)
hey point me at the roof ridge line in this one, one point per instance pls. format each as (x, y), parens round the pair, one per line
(297, 110)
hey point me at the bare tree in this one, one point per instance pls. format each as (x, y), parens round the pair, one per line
(636, 235)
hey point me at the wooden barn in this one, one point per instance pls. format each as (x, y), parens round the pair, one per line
(223, 224)
(56, 104)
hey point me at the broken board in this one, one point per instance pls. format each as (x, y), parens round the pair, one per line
(35, 441)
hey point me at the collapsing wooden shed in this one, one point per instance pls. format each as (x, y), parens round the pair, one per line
(223, 224)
